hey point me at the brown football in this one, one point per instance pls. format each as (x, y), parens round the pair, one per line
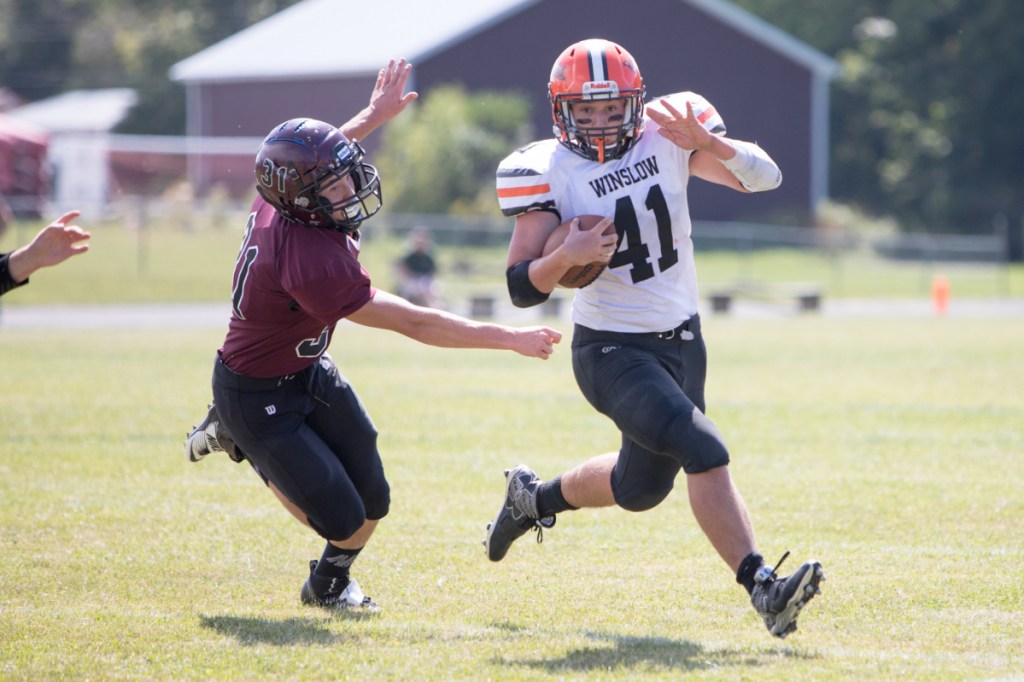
(578, 276)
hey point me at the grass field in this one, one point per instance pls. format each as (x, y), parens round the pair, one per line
(889, 449)
(164, 263)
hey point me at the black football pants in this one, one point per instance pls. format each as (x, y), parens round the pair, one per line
(308, 434)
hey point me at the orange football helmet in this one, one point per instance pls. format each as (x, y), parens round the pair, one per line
(590, 70)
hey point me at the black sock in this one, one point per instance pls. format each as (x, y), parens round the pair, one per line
(550, 500)
(748, 568)
(335, 562)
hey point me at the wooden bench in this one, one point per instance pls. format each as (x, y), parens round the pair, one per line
(552, 307)
(806, 296)
(482, 306)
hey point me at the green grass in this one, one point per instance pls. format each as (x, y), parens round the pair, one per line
(164, 263)
(889, 449)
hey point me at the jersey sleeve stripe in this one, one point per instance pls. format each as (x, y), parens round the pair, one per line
(504, 172)
(706, 114)
(518, 209)
(526, 190)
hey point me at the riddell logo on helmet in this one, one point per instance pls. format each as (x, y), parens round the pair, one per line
(603, 88)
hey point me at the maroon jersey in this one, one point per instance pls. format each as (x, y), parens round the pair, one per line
(292, 284)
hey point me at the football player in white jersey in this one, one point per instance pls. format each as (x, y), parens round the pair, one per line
(638, 353)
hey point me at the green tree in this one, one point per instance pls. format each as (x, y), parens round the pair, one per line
(926, 113)
(440, 156)
(37, 45)
(48, 46)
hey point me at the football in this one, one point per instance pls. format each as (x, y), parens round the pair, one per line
(578, 276)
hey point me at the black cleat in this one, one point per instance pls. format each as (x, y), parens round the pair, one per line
(779, 600)
(518, 513)
(341, 593)
(210, 436)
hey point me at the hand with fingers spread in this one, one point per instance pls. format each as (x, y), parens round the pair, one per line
(682, 128)
(389, 97)
(387, 100)
(54, 244)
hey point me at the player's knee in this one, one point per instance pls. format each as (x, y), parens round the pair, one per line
(339, 523)
(706, 454)
(641, 497)
(338, 518)
(695, 442)
(701, 464)
(378, 502)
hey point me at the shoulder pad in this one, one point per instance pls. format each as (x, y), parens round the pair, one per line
(522, 179)
(705, 111)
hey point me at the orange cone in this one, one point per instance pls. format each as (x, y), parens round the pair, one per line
(940, 294)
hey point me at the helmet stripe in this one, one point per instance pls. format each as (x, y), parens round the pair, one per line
(598, 64)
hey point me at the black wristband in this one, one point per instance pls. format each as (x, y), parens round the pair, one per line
(6, 281)
(521, 289)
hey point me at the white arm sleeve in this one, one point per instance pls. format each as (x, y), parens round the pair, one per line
(753, 167)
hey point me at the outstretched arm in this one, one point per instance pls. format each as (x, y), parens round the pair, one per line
(743, 166)
(387, 100)
(446, 330)
(54, 244)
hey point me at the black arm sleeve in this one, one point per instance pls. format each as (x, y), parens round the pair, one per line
(6, 281)
(520, 288)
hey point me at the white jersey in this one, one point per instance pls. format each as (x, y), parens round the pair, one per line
(651, 282)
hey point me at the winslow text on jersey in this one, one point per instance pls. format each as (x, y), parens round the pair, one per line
(639, 171)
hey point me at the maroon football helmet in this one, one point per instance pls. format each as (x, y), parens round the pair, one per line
(300, 159)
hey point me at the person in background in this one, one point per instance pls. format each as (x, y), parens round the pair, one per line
(417, 270)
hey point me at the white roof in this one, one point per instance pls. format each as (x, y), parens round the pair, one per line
(310, 38)
(15, 127)
(79, 111)
(340, 37)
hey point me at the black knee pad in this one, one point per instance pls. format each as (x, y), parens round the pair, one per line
(341, 521)
(642, 479)
(694, 441)
(340, 524)
(641, 496)
(379, 503)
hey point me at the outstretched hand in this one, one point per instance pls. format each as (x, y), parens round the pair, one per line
(387, 99)
(683, 129)
(58, 241)
(54, 244)
(536, 342)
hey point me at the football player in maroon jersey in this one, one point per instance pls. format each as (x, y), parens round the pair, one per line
(281, 403)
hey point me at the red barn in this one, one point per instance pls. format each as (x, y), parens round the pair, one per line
(24, 178)
(320, 58)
